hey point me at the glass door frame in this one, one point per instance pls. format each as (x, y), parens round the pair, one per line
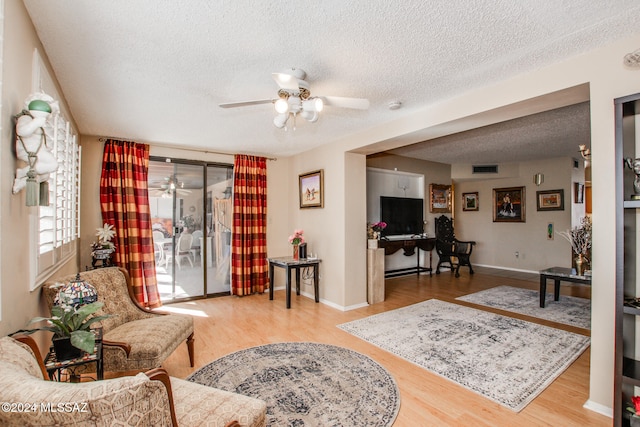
(207, 209)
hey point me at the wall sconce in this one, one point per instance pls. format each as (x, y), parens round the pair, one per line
(585, 152)
(586, 155)
(538, 179)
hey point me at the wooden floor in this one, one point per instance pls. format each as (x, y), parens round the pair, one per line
(227, 324)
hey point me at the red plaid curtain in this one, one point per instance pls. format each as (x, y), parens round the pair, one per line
(249, 270)
(124, 200)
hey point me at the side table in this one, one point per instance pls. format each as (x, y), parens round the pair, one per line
(288, 263)
(55, 366)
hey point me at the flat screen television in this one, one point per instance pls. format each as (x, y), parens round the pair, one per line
(403, 215)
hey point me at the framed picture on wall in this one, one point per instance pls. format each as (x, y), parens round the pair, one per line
(470, 201)
(311, 189)
(439, 198)
(550, 200)
(509, 204)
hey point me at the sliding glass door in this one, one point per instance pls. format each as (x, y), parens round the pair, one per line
(190, 214)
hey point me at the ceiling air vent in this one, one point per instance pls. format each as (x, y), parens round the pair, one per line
(485, 169)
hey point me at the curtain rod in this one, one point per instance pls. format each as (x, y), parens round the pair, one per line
(104, 138)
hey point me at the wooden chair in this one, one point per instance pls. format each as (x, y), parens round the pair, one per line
(451, 251)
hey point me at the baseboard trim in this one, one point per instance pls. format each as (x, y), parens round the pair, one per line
(599, 408)
(324, 301)
(520, 270)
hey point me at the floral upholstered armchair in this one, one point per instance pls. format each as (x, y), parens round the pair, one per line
(133, 338)
(151, 399)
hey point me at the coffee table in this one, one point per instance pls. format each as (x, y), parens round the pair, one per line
(559, 274)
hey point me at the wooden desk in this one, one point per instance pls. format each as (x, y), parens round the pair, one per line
(288, 263)
(409, 247)
(559, 274)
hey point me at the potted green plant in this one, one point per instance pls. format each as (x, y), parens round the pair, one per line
(73, 325)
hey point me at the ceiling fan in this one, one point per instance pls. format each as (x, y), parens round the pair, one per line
(294, 98)
(170, 186)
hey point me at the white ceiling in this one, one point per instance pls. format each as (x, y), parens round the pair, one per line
(155, 72)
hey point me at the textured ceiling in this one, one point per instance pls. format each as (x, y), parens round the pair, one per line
(156, 71)
(555, 133)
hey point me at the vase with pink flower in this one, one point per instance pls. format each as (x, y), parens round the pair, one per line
(634, 409)
(296, 239)
(373, 233)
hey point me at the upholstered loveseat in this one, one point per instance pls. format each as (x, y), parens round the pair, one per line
(134, 338)
(30, 400)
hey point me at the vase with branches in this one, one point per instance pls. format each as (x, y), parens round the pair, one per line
(580, 239)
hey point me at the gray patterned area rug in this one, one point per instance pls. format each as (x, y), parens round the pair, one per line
(308, 384)
(567, 310)
(507, 360)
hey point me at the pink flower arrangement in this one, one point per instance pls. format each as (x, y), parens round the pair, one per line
(374, 229)
(379, 226)
(296, 238)
(635, 409)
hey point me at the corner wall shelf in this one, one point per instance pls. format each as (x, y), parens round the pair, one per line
(627, 279)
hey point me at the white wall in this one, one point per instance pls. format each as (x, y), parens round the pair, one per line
(498, 242)
(19, 303)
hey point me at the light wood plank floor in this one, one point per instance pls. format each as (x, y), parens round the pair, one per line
(227, 324)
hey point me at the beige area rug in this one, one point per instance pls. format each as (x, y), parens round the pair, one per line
(308, 384)
(507, 360)
(567, 310)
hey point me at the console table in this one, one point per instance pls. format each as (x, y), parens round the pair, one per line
(288, 263)
(409, 247)
(559, 274)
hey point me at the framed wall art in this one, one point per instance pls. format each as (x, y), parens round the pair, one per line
(311, 189)
(550, 200)
(509, 204)
(470, 201)
(439, 198)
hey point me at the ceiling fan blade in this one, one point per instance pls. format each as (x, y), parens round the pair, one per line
(246, 103)
(342, 102)
(286, 81)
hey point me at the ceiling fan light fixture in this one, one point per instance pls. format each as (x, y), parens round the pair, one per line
(280, 120)
(319, 103)
(281, 105)
(313, 105)
(310, 116)
(294, 104)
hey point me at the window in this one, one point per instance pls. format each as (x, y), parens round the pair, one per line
(55, 228)
(57, 224)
